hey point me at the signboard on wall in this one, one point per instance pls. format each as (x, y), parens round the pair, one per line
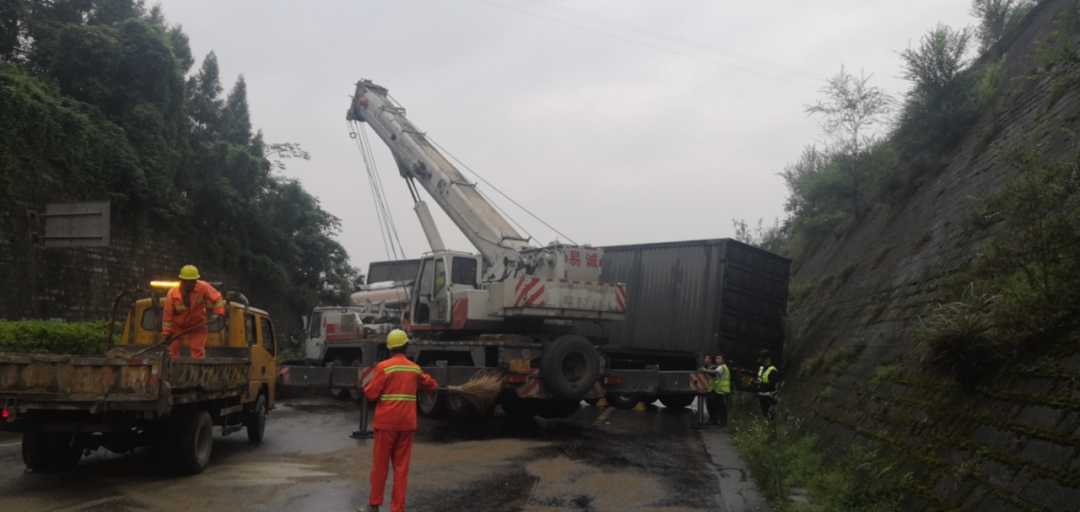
(76, 225)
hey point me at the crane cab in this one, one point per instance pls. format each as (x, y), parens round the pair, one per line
(447, 293)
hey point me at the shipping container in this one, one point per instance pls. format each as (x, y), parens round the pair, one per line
(695, 298)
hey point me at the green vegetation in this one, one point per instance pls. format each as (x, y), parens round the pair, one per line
(1028, 275)
(98, 99)
(834, 361)
(782, 456)
(38, 337)
(877, 150)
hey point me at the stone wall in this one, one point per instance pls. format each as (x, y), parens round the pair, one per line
(80, 284)
(1012, 443)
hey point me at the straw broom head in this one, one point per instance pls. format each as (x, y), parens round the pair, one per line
(480, 391)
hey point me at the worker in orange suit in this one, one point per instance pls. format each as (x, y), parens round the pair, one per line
(185, 308)
(394, 384)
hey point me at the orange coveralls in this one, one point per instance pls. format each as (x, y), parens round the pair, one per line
(394, 385)
(179, 317)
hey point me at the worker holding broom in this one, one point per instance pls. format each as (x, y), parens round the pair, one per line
(394, 386)
(185, 312)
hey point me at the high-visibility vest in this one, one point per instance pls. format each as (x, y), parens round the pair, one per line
(763, 374)
(721, 382)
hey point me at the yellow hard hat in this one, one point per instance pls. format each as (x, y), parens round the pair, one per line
(396, 338)
(189, 272)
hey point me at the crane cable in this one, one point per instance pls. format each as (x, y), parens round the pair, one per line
(508, 198)
(387, 229)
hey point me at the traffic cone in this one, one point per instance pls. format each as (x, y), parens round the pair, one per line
(602, 402)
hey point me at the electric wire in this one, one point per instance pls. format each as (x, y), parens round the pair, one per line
(687, 42)
(496, 189)
(527, 13)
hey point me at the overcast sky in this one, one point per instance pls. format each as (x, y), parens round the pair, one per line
(611, 135)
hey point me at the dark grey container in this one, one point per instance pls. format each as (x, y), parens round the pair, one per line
(701, 297)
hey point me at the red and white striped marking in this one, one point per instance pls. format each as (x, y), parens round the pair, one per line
(597, 391)
(620, 296)
(529, 294)
(364, 376)
(699, 382)
(282, 374)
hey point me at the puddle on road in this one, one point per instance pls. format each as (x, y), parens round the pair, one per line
(265, 473)
(566, 485)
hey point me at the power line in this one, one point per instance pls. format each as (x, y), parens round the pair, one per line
(687, 42)
(527, 13)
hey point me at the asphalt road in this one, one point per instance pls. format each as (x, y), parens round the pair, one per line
(601, 459)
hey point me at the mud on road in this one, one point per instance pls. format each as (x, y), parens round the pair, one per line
(598, 460)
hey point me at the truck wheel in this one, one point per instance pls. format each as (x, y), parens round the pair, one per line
(339, 393)
(256, 424)
(356, 394)
(559, 408)
(569, 367)
(194, 441)
(676, 401)
(51, 451)
(431, 405)
(623, 401)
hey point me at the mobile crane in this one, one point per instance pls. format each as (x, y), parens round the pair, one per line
(510, 309)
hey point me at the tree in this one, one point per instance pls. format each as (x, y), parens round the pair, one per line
(998, 19)
(852, 108)
(941, 105)
(235, 119)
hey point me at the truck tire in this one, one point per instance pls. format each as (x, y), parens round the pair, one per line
(569, 367)
(623, 401)
(51, 451)
(339, 393)
(677, 401)
(194, 441)
(431, 405)
(551, 409)
(256, 422)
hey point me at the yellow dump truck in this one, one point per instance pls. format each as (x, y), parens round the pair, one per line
(139, 395)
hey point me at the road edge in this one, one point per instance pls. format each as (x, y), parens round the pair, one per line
(738, 492)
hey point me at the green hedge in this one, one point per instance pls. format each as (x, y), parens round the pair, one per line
(38, 337)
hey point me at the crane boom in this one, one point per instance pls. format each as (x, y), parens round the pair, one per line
(418, 160)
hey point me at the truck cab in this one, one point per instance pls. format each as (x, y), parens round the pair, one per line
(442, 290)
(247, 333)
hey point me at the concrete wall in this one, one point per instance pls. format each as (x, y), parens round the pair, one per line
(1013, 443)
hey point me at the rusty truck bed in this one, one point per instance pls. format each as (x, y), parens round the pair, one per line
(153, 381)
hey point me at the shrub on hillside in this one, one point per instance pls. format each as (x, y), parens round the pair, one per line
(39, 337)
(961, 339)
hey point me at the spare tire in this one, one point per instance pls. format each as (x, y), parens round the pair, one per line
(569, 367)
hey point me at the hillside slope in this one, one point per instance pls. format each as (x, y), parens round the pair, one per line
(1012, 442)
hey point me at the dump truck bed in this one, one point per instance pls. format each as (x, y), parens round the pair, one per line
(152, 381)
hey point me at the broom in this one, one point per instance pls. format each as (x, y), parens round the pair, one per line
(480, 391)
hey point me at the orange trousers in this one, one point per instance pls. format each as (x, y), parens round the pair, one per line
(196, 342)
(390, 445)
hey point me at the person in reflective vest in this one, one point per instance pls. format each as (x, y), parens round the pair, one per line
(766, 385)
(185, 308)
(394, 384)
(719, 389)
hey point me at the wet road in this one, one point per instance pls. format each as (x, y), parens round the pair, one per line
(601, 459)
